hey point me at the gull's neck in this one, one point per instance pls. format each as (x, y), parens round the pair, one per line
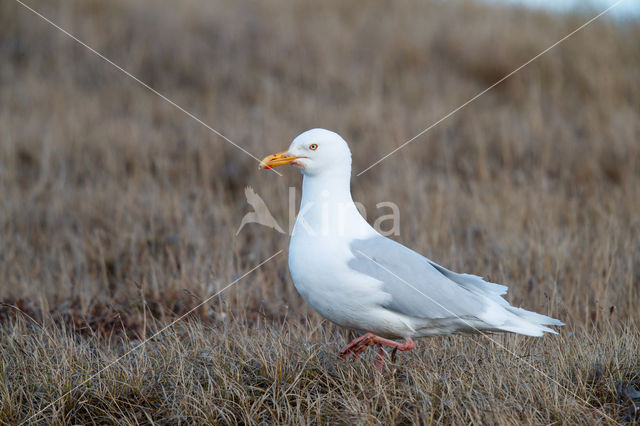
(327, 209)
(334, 188)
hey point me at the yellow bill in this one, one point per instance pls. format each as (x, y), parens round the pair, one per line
(275, 160)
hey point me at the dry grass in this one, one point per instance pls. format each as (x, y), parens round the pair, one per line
(289, 374)
(118, 212)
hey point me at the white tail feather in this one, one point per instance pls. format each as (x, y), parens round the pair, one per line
(513, 319)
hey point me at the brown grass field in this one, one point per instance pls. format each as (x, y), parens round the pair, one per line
(118, 212)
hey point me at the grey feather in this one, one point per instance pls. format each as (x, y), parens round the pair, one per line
(423, 289)
(416, 286)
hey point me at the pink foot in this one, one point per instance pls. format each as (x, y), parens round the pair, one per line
(357, 346)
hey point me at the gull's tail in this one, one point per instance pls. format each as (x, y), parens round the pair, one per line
(529, 323)
(510, 318)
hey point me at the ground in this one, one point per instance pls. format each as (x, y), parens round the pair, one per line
(118, 212)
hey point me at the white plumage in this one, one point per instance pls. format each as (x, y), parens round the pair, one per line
(359, 279)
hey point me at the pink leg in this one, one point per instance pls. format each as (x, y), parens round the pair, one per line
(357, 346)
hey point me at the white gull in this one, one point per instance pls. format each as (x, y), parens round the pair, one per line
(359, 279)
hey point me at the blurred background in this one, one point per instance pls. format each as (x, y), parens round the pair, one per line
(108, 193)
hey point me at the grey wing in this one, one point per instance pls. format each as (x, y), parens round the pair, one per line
(418, 288)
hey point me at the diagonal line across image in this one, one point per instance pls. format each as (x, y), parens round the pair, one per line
(137, 80)
(156, 334)
(476, 330)
(479, 94)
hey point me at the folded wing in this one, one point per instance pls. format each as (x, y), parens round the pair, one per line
(422, 289)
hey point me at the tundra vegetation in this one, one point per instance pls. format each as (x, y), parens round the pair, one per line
(118, 213)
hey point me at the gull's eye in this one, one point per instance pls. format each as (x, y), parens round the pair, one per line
(313, 146)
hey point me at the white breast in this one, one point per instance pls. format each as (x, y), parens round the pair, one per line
(318, 262)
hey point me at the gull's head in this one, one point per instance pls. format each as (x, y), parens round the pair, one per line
(315, 152)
